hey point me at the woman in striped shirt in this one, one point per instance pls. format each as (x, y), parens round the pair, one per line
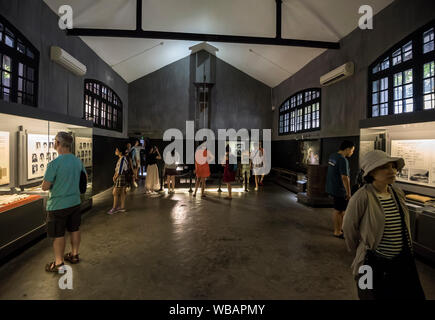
(376, 225)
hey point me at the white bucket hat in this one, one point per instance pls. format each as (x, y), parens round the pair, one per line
(377, 158)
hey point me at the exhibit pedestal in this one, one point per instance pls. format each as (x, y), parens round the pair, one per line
(316, 195)
(20, 225)
(424, 243)
(290, 180)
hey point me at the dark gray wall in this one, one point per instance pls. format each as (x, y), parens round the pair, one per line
(160, 100)
(163, 99)
(239, 101)
(344, 104)
(59, 90)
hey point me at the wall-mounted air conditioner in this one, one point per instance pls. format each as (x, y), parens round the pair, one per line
(338, 74)
(67, 61)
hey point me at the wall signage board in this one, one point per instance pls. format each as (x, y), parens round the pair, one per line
(40, 151)
(419, 156)
(83, 149)
(4, 158)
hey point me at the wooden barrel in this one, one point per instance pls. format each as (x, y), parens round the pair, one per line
(316, 180)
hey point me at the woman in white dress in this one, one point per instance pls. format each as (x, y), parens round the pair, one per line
(152, 182)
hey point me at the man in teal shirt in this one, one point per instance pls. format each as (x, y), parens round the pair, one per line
(338, 183)
(62, 178)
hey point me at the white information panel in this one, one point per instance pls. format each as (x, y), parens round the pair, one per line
(40, 151)
(84, 150)
(365, 147)
(419, 156)
(4, 158)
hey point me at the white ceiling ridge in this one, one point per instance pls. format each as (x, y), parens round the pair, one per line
(137, 54)
(204, 46)
(270, 61)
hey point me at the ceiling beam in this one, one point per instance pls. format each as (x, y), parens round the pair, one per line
(138, 15)
(139, 33)
(199, 37)
(278, 18)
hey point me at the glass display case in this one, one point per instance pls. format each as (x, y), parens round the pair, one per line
(26, 148)
(415, 143)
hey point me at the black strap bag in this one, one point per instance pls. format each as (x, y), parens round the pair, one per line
(83, 182)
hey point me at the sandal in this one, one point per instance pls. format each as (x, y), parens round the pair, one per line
(72, 259)
(53, 267)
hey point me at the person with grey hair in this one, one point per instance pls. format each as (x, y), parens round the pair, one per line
(376, 226)
(62, 179)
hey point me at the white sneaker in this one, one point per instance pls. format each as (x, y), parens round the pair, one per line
(135, 184)
(112, 211)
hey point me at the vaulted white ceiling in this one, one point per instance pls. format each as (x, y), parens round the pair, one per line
(323, 20)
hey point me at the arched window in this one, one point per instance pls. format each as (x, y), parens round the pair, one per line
(402, 80)
(19, 61)
(300, 112)
(102, 106)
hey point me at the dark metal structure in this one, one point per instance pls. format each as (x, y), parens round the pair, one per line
(139, 33)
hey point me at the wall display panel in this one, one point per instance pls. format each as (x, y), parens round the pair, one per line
(83, 150)
(419, 156)
(310, 152)
(365, 147)
(4, 158)
(40, 151)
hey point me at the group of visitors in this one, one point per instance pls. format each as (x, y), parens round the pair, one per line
(374, 221)
(249, 161)
(127, 167)
(375, 224)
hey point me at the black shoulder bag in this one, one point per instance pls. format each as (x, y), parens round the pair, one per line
(83, 182)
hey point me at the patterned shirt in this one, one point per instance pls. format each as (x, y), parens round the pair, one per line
(392, 241)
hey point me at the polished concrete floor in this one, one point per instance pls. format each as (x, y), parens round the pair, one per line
(261, 245)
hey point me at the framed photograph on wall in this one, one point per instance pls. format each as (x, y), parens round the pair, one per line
(38, 154)
(4, 158)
